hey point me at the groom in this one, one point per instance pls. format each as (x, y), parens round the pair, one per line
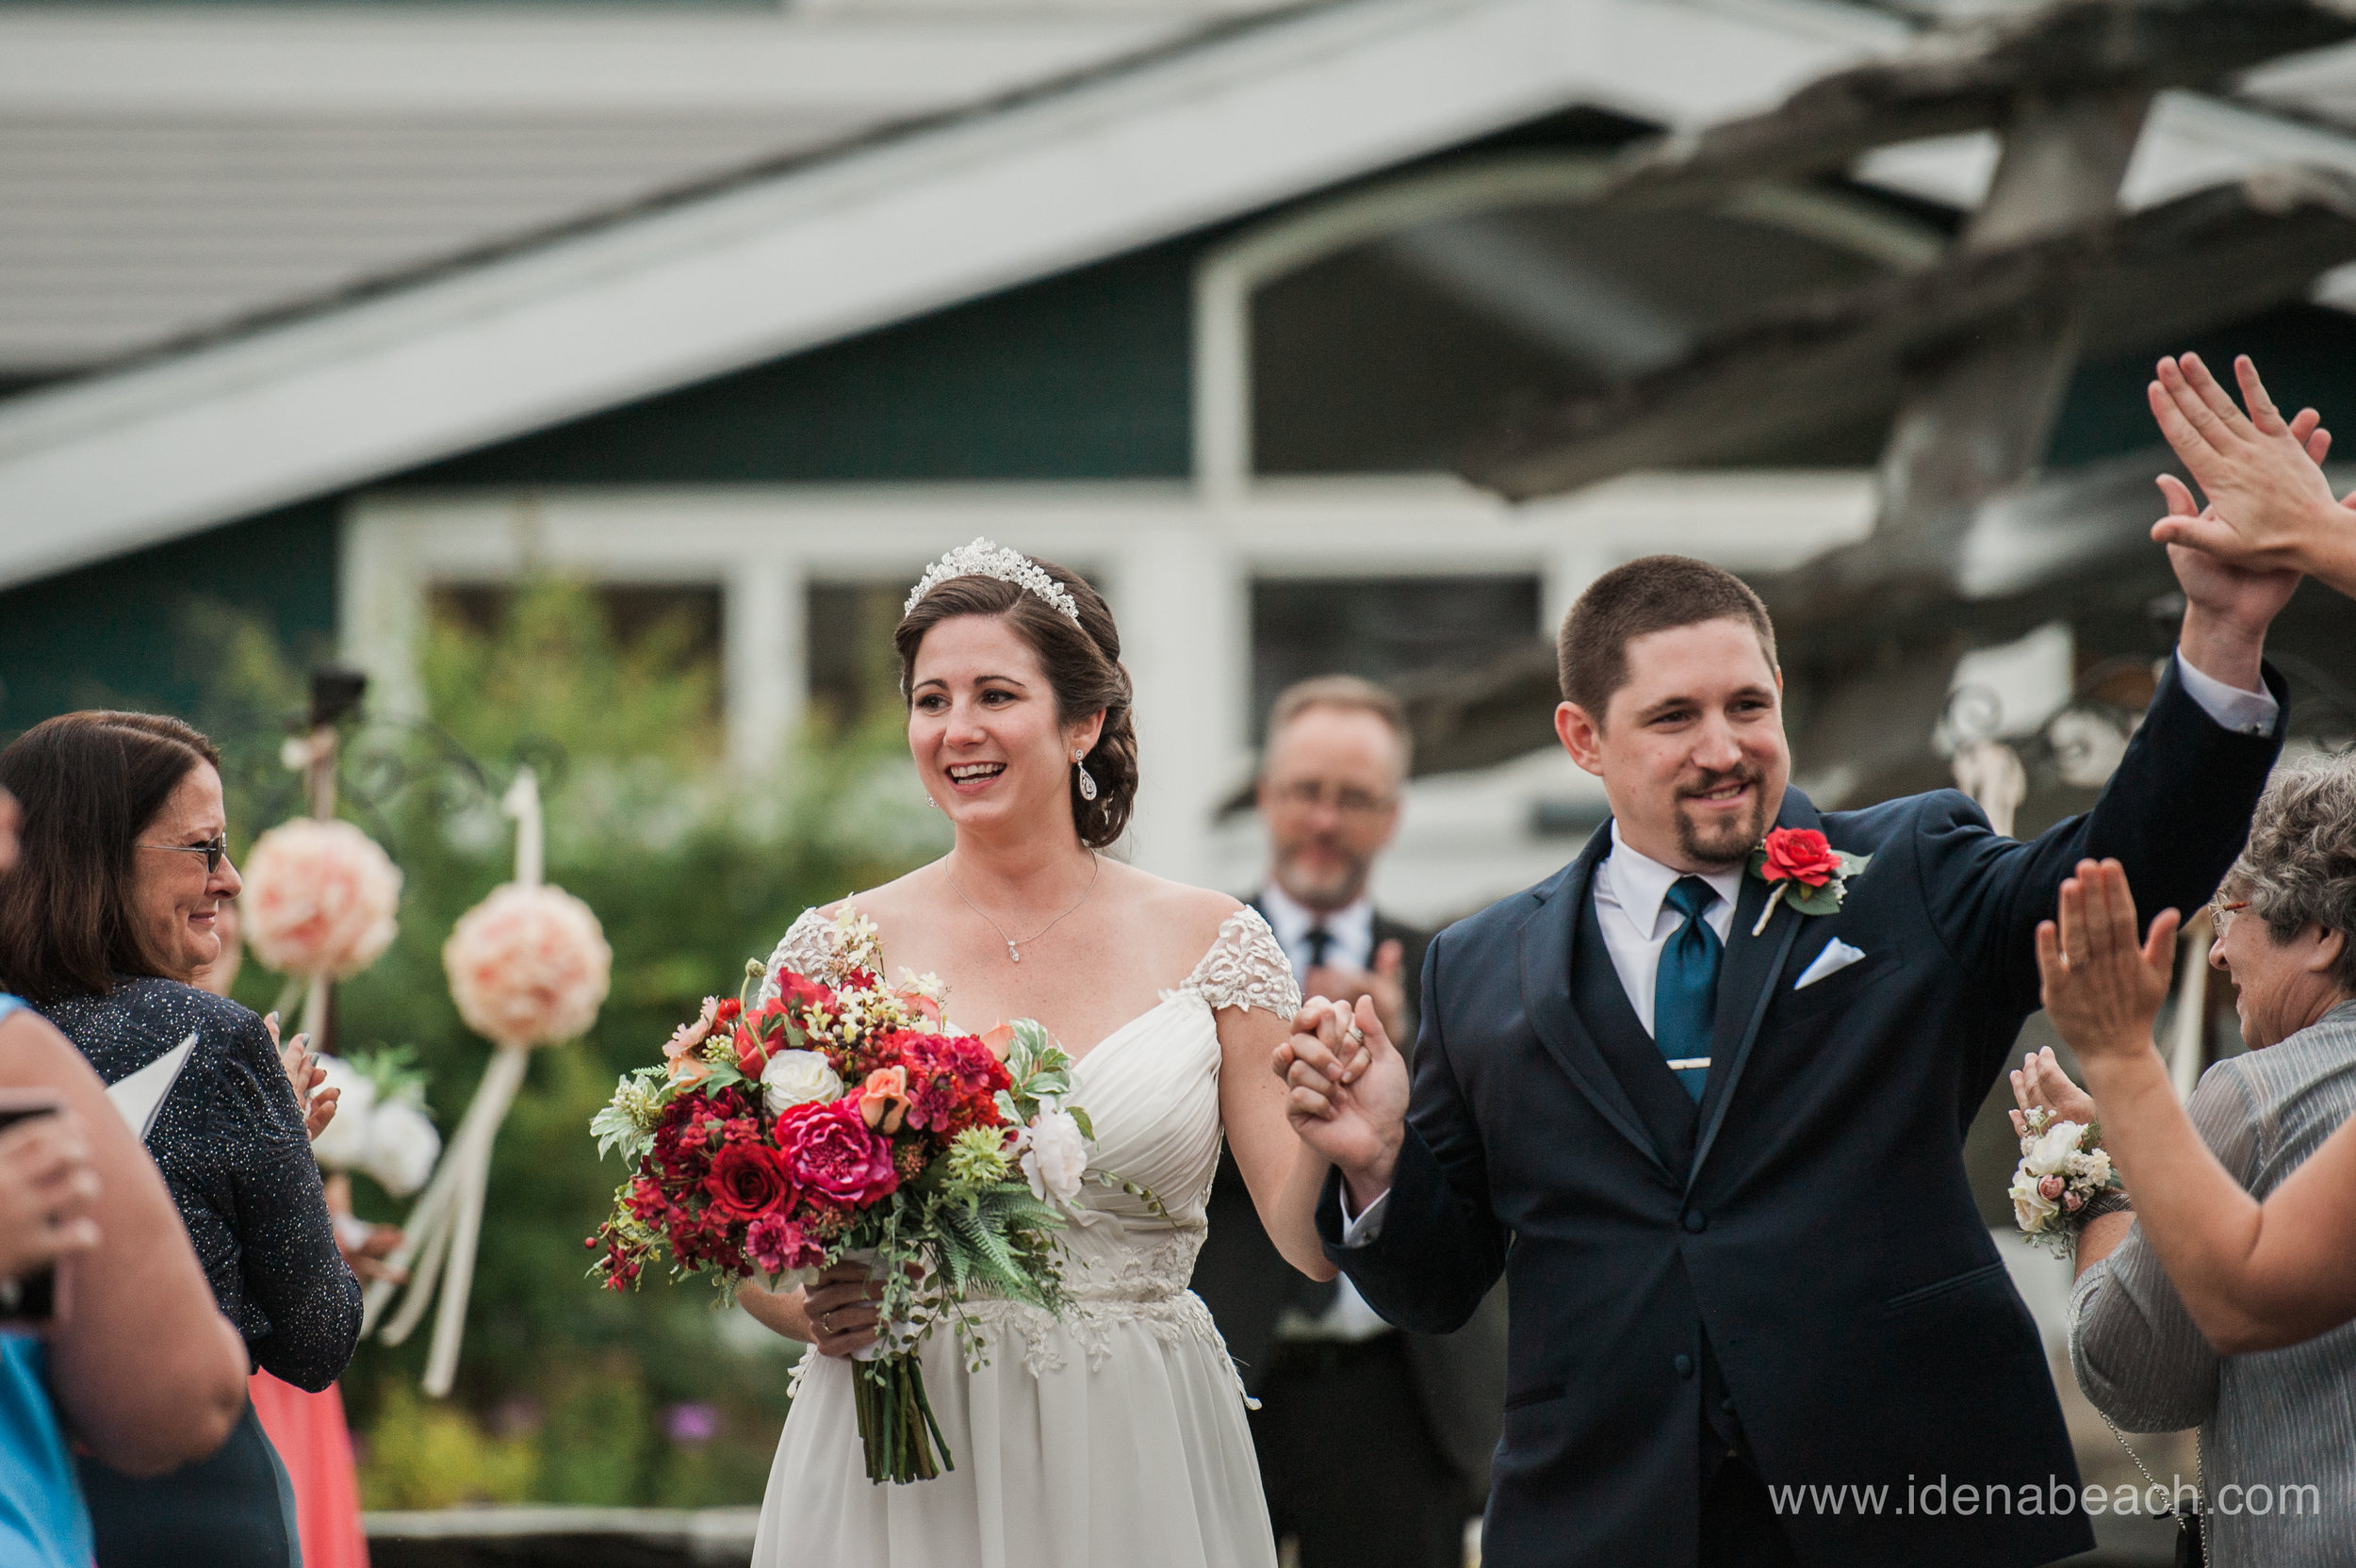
(1716, 1147)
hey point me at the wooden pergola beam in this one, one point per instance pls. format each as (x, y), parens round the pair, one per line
(1972, 78)
(2207, 257)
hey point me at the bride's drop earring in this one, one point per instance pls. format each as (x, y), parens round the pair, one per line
(1087, 780)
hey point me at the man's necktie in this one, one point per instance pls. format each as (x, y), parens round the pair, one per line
(1321, 941)
(1685, 988)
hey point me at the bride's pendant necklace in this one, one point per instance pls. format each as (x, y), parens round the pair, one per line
(1014, 951)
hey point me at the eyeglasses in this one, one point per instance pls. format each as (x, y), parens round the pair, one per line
(2221, 915)
(215, 852)
(1307, 795)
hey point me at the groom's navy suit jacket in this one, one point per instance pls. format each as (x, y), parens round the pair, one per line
(1821, 1243)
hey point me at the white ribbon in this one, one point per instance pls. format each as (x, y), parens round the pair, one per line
(438, 1243)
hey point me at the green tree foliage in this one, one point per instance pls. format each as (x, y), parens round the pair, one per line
(691, 870)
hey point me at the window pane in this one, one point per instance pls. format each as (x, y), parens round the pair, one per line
(854, 674)
(1381, 628)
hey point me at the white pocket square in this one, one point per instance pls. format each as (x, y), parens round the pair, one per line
(1837, 956)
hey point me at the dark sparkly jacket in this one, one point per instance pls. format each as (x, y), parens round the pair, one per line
(231, 1142)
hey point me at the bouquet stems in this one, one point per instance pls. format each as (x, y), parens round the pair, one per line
(895, 1420)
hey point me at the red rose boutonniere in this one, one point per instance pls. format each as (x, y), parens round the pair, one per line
(1804, 871)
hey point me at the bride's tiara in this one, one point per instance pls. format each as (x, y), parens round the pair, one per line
(984, 559)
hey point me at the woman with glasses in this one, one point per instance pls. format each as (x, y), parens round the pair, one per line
(112, 910)
(139, 1366)
(2192, 1304)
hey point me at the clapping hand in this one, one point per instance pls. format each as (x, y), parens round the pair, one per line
(304, 1072)
(2102, 987)
(2039, 1084)
(1346, 1092)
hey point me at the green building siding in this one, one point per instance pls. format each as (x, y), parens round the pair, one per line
(122, 632)
(1086, 375)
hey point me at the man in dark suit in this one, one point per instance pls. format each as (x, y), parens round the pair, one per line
(1713, 1141)
(1421, 1411)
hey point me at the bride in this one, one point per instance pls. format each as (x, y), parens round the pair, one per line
(1117, 1437)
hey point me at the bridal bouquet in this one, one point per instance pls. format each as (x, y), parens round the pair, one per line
(2063, 1167)
(852, 1122)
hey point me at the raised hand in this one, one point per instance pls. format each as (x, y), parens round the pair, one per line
(2102, 987)
(1346, 1092)
(2039, 1082)
(2247, 597)
(2269, 506)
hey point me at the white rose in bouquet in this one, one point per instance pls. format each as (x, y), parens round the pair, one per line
(403, 1148)
(795, 1078)
(2048, 1153)
(2031, 1209)
(343, 1145)
(1054, 1157)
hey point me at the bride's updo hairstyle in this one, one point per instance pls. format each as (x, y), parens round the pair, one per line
(1083, 664)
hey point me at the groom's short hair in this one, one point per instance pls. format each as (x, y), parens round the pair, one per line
(1656, 593)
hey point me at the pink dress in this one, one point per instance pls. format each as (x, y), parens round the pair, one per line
(312, 1441)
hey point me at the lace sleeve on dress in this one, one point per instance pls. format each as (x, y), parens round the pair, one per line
(810, 946)
(1245, 968)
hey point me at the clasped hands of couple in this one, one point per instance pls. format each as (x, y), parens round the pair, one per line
(1346, 1089)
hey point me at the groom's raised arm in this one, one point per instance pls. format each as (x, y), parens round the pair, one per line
(2174, 815)
(1425, 1253)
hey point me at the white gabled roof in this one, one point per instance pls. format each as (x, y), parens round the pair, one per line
(167, 171)
(1195, 136)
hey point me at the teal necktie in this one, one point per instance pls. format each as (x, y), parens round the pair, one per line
(1685, 988)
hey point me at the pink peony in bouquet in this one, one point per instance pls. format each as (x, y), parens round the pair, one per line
(853, 1123)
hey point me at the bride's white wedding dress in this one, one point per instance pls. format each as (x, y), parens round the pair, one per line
(1116, 1439)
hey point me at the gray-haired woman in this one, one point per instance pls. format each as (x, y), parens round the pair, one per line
(2155, 1338)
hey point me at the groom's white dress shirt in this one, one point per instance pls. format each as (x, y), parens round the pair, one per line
(1631, 887)
(1632, 905)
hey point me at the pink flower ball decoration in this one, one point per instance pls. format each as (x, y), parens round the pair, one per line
(528, 966)
(319, 898)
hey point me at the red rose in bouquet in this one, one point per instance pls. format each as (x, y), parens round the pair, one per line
(1800, 855)
(830, 1152)
(747, 1181)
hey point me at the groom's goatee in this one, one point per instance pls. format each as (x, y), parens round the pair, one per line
(1734, 839)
